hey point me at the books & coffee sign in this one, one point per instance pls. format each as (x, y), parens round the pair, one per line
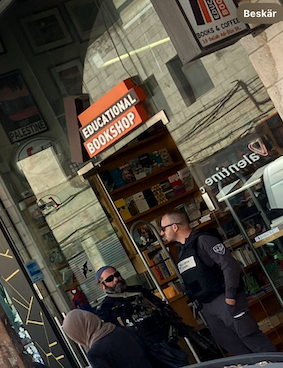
(212, 20)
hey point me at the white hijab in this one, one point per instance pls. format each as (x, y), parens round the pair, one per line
(85, 328)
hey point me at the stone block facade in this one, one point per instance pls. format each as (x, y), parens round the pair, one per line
(266, 54)
(221, 115)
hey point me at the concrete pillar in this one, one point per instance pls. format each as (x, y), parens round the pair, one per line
(266, 55)
(11, 348)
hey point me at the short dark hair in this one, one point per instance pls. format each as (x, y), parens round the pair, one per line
(177, 216)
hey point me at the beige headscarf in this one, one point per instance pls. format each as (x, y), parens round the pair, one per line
(85, 328)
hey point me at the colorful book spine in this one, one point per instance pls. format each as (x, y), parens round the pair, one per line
(170, 267)
(155, 270)
(176, 184)
(168, 263)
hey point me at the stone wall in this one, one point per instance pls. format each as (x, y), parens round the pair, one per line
(228, 111)
(266, 54)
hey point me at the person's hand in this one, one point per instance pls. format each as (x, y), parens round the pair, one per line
(230, 301)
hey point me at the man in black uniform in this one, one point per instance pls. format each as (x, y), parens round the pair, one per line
(212, 278)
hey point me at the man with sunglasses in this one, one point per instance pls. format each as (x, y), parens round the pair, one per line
(140, 310)
(110, 280)
(129, 305)
(212, 279)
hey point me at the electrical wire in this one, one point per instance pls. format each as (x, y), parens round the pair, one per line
(212, 104)
(207, 120)
(100, 5)
(66, 201)
(213, 117)
(251, 125)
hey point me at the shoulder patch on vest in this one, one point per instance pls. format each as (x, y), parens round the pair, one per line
(219, 249)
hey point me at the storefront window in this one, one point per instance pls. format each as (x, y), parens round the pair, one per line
(70, 226)
(223, 124)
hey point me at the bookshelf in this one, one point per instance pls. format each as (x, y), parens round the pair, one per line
(120, 192)
(161, 265)
(140, 184)
(159, 210)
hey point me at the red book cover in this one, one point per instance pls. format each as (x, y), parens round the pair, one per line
(176, 184)
(155, 270)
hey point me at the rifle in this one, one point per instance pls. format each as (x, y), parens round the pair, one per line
(177, 328)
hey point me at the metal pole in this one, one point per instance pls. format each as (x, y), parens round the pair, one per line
(160, 241)
(192, 349)
(149, 270)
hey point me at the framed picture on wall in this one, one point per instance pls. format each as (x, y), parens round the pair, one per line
(69, 77)
(46, 30)
(19, 115)
(91, 19)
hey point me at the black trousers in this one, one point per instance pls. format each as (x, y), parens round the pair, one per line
(234, 328)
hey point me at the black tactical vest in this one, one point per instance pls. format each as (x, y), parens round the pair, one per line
(202, 283)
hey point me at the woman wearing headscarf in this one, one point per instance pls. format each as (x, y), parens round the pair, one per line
(107, 345)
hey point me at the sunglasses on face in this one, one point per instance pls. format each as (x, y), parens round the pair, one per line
(162, 228)
(111, 277)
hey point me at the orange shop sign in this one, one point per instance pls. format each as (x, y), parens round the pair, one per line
(114, 115)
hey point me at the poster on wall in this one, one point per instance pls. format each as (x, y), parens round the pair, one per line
(19, 115)
(212, 20)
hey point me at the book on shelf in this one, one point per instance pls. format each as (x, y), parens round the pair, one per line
(167, 189)
(176, 184)
(137, 168)
(187, 178)
(156, 161)
(117, 177)
(155, 224)
(244, 255)
(165, 269)
(170, 267)
(123, 209)
(238, 256)
(146, 163)
(165, 157)
(155, 270)
(165, 263)
(168, 262)
(127, 173)
(140, 202)
(231, 241)
(161, 266)
(158, 193)
(131, 205)
(150, 198)
(192, 209)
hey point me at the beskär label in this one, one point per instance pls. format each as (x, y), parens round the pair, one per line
(260, 13)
